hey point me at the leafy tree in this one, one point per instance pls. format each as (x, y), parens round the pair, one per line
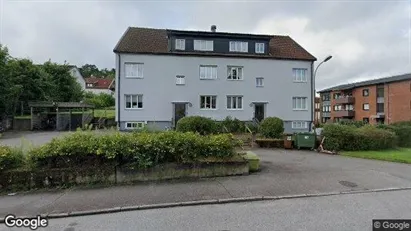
(101, 100)
(63, 86)
(89, 70)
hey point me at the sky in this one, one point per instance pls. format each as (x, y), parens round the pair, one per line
(367, 39)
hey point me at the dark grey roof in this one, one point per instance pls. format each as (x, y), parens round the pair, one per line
(391, 79)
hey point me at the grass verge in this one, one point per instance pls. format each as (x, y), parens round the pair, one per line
(401, 155)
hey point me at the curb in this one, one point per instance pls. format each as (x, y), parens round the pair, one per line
(206, 202)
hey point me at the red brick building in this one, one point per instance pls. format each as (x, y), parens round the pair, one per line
(385, 100)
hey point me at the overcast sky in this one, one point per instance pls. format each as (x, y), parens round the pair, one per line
(367, 39)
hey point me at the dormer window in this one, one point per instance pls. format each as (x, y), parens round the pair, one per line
(203, 45)
(180, 44)
(236, 46)
(259, 48)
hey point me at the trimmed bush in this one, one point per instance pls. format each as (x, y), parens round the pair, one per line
(140, 149)
(270, 143)
(272, 127)
(10, 158)
(350, 138)
(198, 124)
(402, 130)
(357, 124)
(233, 125)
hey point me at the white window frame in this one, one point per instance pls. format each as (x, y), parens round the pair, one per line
(208, 98)
(257, 82)
(298, 103)
(238, 46)
(299, 125)
(137, 73)
(300, 75)
(235, 102)
(364, 107)
(208, 72)
(238, 70)
(180, 80)
(259, 48)
(133, 97)
(134, 125)
(180, 44)
(203, 45)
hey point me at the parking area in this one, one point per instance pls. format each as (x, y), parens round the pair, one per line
(28, 137)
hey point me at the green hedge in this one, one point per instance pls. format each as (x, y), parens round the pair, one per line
(198, 124)
(142, 149)
(350, 138)
(402, 130)
(233, 125)
(10, 158)
(272, 127)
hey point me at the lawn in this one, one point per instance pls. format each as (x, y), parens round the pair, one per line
(402, 155)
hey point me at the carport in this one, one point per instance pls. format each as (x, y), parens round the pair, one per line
(60, 116)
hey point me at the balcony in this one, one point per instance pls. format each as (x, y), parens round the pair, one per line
(326, 114)
(345, 100)
(344, 113)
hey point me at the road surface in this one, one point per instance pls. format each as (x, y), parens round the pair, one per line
(342, 212)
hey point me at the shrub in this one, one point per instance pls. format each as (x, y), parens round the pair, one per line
(270, 143)
(354, 123)
(402, 130)
(140, 149)
(350, 138)
(10, 158)
(197, 124)
(101, 100)
(272, 127)
(233, 125)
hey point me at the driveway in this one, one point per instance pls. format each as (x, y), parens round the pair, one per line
(283, 172)
(25, 138)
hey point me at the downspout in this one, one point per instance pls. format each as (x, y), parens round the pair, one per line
(118, 91)
(312, 95)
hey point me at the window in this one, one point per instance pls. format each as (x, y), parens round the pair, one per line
(134, 125)
(366, 107)
(365, 92)
(380, 91)
(300, 75)
(235, 73)
(180, 44)
(180, 80)
(203, 45)
(299, 103)
(326, 97)
(349, 107)
(208, 72)
(366, 120)
(259, 48)
(89, 85)
(337, 95)
(208, 102)
(326, 108)
(234, 102)
(299, 124)
(259, 82)
(134, 101)
(134, 70)
(380, 107)
(337, 107)
(239, 46)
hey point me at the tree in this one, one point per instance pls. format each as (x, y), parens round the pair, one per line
(88, 70)
(63, 86)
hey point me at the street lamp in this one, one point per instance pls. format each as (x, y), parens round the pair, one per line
(315, 75)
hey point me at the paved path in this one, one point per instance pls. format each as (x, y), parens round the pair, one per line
(283, 173)
(24, 138)
(342, 212)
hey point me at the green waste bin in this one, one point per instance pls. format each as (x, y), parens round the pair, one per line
(305, 140)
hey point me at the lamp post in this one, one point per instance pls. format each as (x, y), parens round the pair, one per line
(314, 78)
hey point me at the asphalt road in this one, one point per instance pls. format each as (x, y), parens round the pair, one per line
(342, 212)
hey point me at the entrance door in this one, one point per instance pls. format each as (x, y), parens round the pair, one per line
(259, 112)
(179, 112)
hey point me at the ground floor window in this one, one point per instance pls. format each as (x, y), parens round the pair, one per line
(134, 101)
(134, 125)
(208, 102)
(234, 102)
(299, 124)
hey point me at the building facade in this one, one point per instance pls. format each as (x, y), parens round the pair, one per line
(164, 75)
(386, 100)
